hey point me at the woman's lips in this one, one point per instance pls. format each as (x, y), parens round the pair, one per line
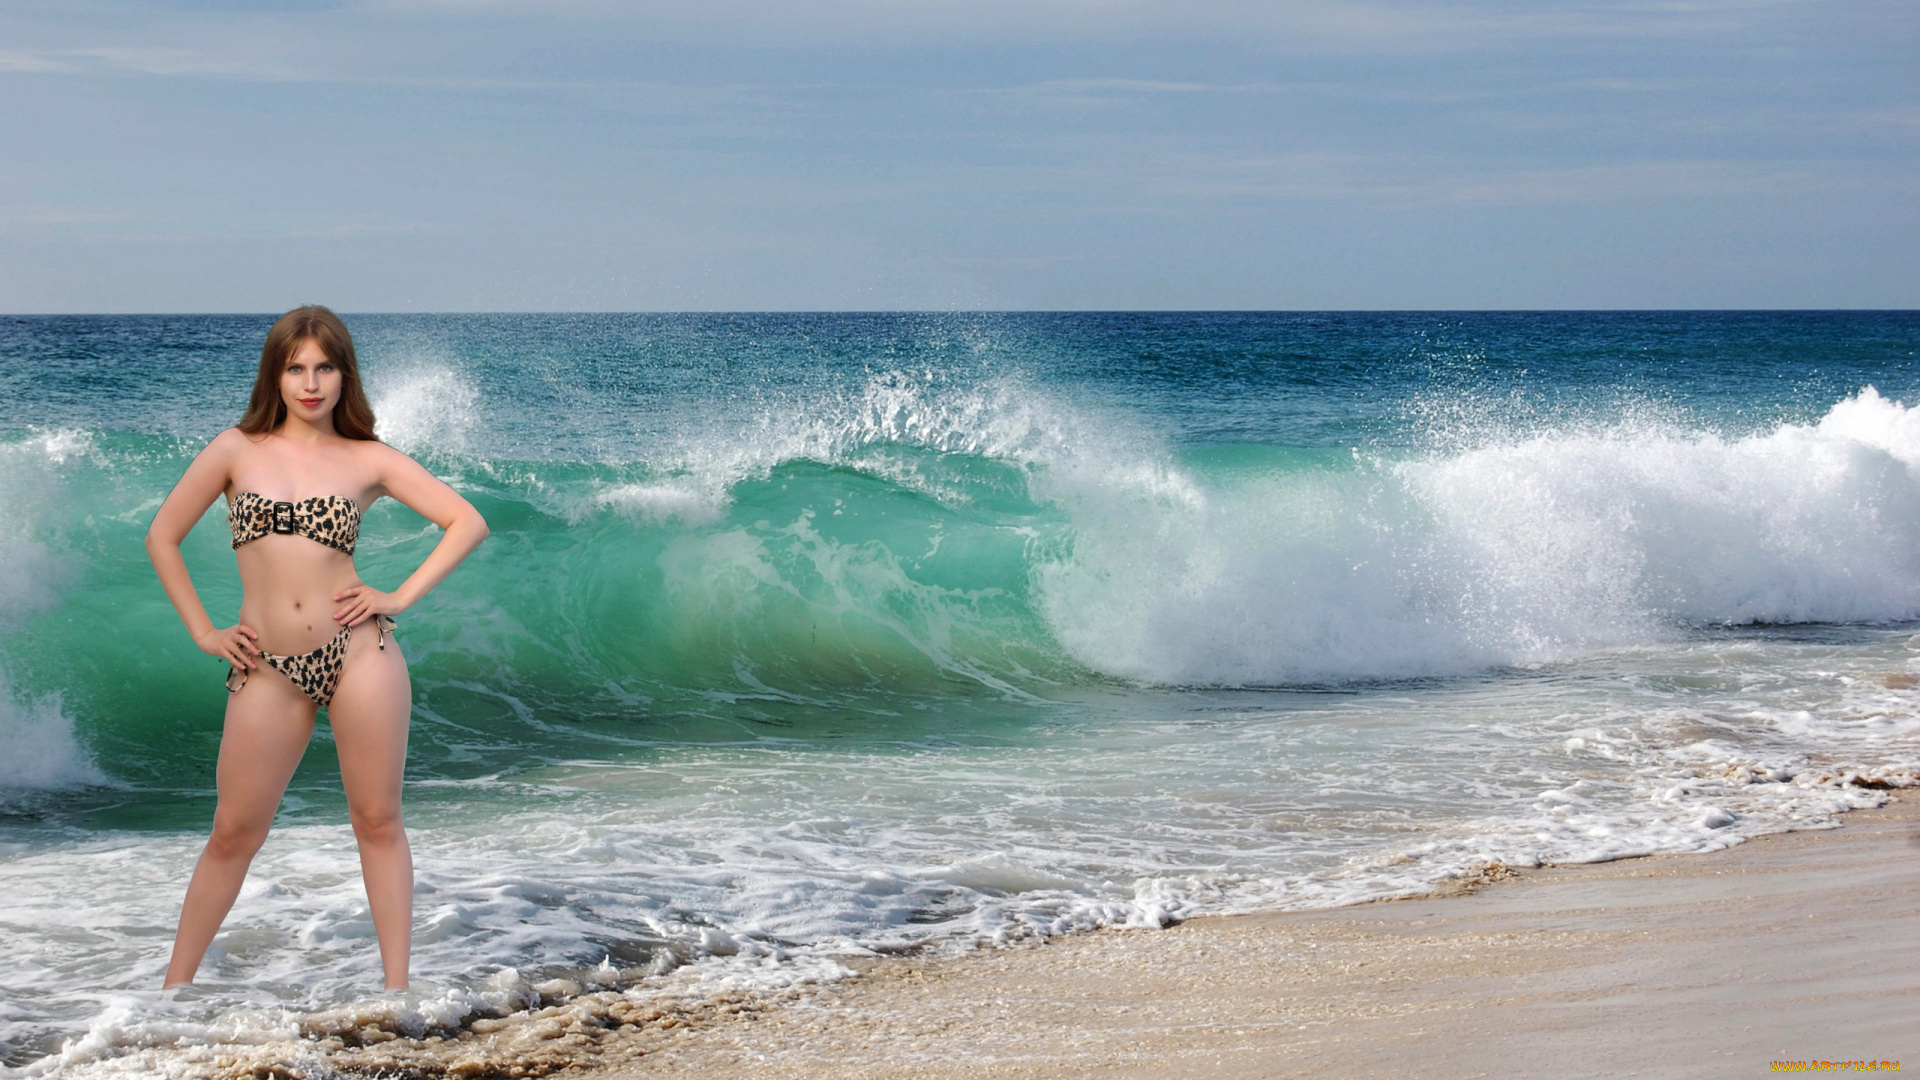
(311, 402)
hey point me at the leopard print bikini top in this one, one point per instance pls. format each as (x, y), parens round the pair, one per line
(333, 520)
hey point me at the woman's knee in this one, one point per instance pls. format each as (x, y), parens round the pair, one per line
(236, 836)
(377, 826)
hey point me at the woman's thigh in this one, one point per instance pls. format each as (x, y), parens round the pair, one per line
(369, 713)
(268, 725)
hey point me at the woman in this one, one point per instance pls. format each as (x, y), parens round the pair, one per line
(298, 471)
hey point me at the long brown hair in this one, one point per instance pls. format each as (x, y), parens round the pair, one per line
(267, 410)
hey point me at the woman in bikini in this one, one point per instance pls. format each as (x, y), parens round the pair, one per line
(298, 471)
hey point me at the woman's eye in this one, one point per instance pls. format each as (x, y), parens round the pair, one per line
(326, 367)
(294, 369)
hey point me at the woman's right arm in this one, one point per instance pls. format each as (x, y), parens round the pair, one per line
(205, 479)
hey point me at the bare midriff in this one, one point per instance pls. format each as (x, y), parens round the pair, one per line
(288, 587)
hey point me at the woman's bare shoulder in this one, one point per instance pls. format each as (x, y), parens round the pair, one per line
(228, 443)
(388, 465)
(379, 454)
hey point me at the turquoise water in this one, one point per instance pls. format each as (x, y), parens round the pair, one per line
(806, 634)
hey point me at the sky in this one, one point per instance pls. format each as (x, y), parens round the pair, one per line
(583, 155)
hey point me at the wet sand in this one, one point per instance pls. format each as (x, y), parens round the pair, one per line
(1795, 947)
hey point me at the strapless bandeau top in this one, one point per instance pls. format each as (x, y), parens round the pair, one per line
(333, 520)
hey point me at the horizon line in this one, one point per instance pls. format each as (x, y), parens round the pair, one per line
(989, 311)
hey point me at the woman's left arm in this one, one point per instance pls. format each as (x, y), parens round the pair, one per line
(404, 479)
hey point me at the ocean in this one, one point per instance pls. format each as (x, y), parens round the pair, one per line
(803, 636)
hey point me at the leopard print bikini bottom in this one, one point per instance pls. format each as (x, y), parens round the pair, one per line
(317, 673)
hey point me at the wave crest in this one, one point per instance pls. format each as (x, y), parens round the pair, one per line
(1518, 551)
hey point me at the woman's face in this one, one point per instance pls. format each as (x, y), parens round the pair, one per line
(310, 385)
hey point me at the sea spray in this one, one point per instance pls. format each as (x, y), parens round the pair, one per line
(425, 409)
(30, 491)
(42, 752)
(1518, 551)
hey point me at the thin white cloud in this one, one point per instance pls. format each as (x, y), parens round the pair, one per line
(1416, 26)
(29, 216)
(1630, 86)
(1904, 117)
(256, 46)
(33, 62)
(1163, 181)
(1311, 176)
(1648, 181)
(1112, 86)
(94, 225)
(163, 62)
(141, 60)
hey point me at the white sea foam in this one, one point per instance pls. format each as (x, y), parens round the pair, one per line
(38, 748)
(663, 502)
(41, 751)
(1520, 551)
(29, 488)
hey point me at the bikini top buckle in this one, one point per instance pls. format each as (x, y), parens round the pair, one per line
(283, 518)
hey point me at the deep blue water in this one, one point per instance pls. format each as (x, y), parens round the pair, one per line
(1312, 379)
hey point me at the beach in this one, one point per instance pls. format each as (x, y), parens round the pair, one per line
(1794, 947)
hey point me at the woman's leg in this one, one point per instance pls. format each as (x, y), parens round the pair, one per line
(268, 725)
(369, 715)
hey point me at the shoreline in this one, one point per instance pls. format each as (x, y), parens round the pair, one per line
(1795, 947)
(1792, 946)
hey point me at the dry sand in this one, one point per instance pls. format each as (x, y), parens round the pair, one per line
(1795, 947)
